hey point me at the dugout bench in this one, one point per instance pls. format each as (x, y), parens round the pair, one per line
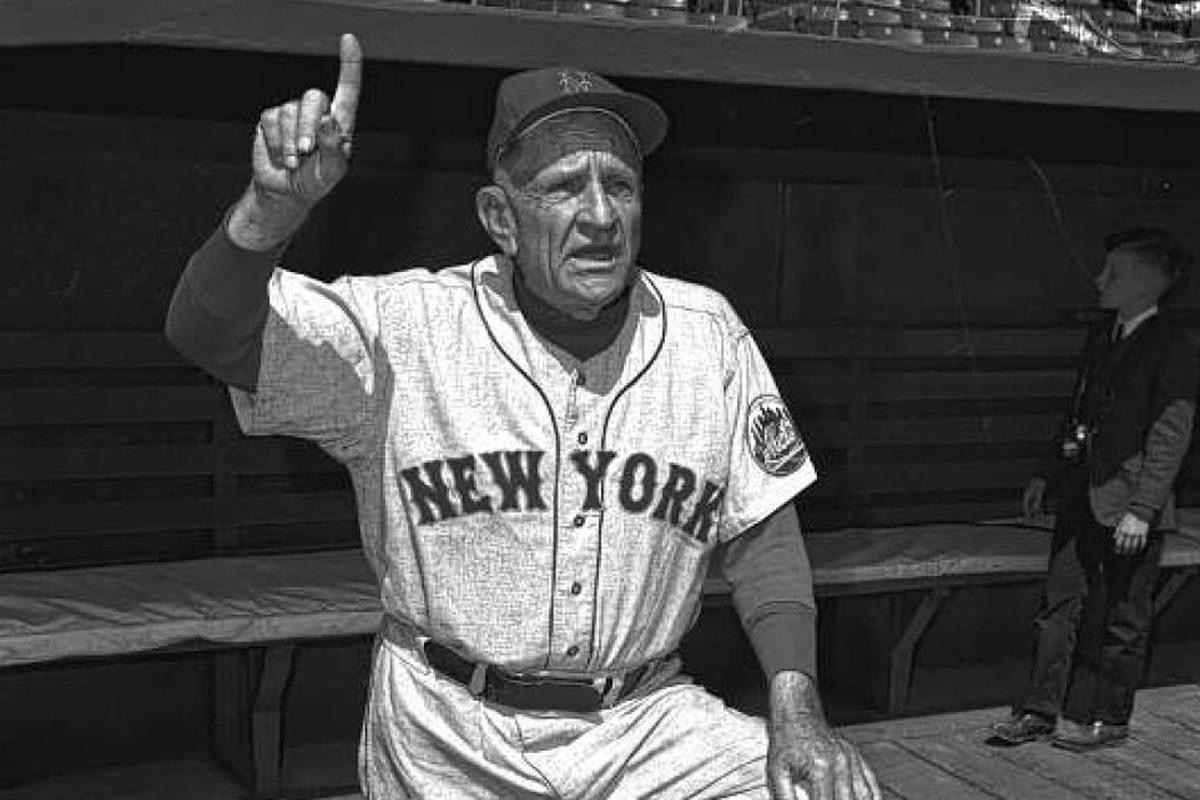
(135, 518)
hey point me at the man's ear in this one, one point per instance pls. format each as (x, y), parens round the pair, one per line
(497, 217)
(1154, 280)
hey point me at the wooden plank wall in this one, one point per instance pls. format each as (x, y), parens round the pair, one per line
(106, 197)
(113, 448)
(103, 209)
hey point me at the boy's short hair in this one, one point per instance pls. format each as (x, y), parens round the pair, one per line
(1155, 246)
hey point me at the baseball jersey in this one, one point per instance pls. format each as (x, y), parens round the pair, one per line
(527, 509)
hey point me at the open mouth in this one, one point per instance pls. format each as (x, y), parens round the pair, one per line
(596, 252)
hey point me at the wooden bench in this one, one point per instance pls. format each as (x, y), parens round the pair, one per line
(136, 518)
(277, 601)
(122, 471)
(937, 560)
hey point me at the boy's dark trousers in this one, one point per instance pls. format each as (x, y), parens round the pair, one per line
(1093, 623)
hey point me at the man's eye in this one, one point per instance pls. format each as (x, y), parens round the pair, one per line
(620, 187)
(566, 186)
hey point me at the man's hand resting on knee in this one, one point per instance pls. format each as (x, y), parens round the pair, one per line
(806, 759)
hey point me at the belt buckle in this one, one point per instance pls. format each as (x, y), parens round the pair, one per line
(555, 692)
(478, 682)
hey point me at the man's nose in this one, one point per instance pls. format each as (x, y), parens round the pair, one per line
(598, 217)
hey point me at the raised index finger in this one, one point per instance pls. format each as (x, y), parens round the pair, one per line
(345, 97)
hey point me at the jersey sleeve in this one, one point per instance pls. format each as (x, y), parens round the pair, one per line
(769, 463)
(318, 377)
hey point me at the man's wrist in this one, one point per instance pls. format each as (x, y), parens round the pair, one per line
(794, 699)
(1142, 512)
(263, 222)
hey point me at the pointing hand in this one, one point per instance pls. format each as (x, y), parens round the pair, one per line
(302, 147)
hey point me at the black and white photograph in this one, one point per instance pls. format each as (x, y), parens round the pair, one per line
(599, 400)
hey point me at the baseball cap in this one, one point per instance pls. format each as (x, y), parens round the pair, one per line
(529, 96)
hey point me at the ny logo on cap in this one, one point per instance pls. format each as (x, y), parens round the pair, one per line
(574, 82)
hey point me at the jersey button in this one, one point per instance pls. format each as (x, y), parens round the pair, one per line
(572, 651)
(579, 520)
(576, 587)
(583, 438)
(580, 379)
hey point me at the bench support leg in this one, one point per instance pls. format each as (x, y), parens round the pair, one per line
(266, 725)
(1172, 587)
(1165, 595)
(231, 722)
(904, 652)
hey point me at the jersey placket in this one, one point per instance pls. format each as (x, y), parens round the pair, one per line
(574, 595)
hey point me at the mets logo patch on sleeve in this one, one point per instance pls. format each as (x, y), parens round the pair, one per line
(772, 437)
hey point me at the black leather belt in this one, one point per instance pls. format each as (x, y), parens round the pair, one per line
(531, 692)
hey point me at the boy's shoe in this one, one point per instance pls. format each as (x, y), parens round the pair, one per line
(1080, 738)
(1020, 728)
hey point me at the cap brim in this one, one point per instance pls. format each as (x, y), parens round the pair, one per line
(645, 117)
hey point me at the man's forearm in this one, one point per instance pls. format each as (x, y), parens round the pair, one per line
(784, 637)
(219, 309)
(769, 572)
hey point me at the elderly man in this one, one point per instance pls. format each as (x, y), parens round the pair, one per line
(1114, 468)
(547, 446)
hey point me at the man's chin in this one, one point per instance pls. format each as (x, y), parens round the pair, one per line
(602, 282)
(589, 301)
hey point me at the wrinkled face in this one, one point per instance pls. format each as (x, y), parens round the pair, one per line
(1127, 284)
(577, 203)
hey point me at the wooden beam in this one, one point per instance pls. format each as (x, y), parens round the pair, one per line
(43, 350)
(474, 36)
(90, 463)
(266, 729)
(109, 405)
(1172, 587)
(93, 520)
(909, 342)
(904, 652)
(231, 713)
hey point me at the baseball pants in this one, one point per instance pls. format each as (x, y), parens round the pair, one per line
(425, 736)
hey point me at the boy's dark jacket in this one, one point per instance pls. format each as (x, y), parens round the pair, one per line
(1140, 395)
